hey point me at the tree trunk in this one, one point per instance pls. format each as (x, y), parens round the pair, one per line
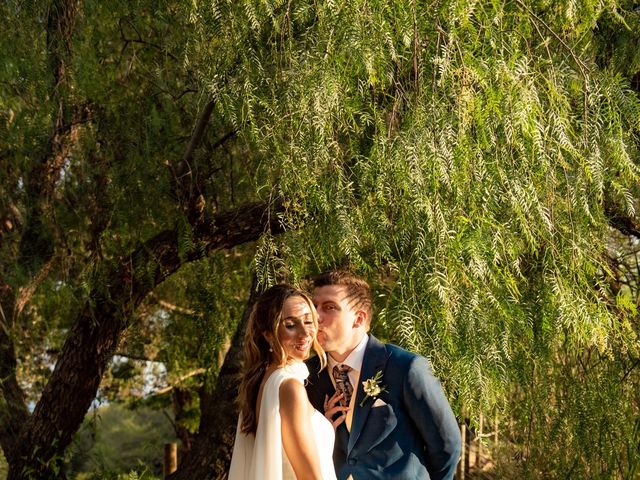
(92, 340)
(210, 454)
(182, 401)
(13, 408)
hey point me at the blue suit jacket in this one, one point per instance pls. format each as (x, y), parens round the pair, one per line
(412, 435)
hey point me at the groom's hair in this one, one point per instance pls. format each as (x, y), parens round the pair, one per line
(358, 290)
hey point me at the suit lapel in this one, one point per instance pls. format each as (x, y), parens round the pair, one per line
(375, 359)
(321, 385)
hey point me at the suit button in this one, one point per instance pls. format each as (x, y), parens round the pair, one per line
(352, 461)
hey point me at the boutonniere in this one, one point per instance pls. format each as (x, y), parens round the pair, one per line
(372, 387)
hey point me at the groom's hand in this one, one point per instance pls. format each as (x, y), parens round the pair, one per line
(332, 407)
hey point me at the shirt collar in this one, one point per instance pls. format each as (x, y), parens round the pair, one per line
(354, 359)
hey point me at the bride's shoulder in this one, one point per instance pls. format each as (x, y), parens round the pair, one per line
(289, 382)
(292, 394)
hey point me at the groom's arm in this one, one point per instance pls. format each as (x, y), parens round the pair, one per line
(431, 413)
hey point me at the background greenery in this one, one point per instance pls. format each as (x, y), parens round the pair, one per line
(117, 440)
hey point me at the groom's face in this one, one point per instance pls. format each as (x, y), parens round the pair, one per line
(339, 324)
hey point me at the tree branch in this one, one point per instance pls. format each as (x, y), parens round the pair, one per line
(162, 391)
(174, 308)
(35, 242)
(183, 172)
(584, 69)
(623, 223)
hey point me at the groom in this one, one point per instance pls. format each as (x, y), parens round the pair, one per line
(400, 426)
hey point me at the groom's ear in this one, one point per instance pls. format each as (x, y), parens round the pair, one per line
(361, 319)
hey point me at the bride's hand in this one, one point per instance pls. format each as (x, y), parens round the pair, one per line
(332, 406)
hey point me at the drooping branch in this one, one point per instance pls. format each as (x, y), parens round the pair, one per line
(26, 292)
(584, 68)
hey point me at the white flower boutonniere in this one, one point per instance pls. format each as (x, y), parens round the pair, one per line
(372, 387)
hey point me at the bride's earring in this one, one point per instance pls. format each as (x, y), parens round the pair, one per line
(270, 348)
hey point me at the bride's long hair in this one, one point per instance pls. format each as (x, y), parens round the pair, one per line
(258, 353)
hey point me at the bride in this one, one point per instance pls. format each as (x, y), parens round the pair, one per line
(280, 435)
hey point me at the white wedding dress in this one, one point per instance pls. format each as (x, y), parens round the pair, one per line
(262, 457)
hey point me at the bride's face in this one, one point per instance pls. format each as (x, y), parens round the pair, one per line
(296, 330)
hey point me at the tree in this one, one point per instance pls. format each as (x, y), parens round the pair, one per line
(64, 206)
(468, 157)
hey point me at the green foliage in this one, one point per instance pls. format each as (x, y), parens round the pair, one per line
(133, 475)
(215, 290)
(4, 468)
(463, 153)
(575, 404)
(457, 148)
(115, 440)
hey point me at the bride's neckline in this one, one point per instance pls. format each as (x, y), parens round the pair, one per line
(296, 369)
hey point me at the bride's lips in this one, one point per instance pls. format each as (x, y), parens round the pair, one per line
(303, 345)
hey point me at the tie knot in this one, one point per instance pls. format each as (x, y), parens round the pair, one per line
(343, 384)
(344, 368)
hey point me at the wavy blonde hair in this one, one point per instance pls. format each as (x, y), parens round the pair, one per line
(265, 318)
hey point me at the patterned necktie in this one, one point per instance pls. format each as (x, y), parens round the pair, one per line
(343, 385)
